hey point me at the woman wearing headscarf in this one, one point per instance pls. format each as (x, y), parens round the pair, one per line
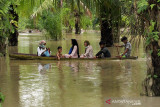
(42, 50)
(74, 51)
(88, 50)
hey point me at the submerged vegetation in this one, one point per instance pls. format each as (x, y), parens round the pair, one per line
(1, 99)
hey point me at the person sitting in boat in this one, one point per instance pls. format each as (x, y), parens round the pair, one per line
(127, 47)
(74, 51)
(59, 53)
(88, 50)
(42, 50)
(104, 52)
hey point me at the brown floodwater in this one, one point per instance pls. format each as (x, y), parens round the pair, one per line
(35, 83)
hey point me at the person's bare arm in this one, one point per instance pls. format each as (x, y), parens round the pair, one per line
(58, 57)
(119, 46)
(125, 52)
(43, 51)
(87, 53)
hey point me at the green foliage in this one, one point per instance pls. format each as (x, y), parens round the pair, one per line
(142, 5)
(152, 35)
(30, 24)
(158, 53)
(25, 8)
(51, 22)
(22, 23)
(67, 17)
(1, 99)
(152, 5)
(86, 22)
(154, 76)
(95, 23)
(151, 28)
(129, 17)
(4, 21)
(125, 19)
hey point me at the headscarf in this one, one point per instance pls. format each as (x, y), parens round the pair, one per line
(42, 44)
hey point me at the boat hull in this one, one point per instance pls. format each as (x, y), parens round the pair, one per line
(21, 56)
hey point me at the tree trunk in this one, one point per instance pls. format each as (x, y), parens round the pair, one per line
(13, 38)
(152, 82)
(134, 21)
(141, 24)
(116, 32)
(106, 33)
(77, 24)
(69, 29)
(106, 24)
(2, 46)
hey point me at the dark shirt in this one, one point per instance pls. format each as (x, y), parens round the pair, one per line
(103, 53)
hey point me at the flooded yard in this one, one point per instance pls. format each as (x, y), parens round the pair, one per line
(35, 83)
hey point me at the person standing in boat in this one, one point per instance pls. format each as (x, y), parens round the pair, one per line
(88, 50)
(74, 51)
(127, 47)
(104, 52)
(42, 50)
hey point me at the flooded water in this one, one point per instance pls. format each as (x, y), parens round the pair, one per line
(70, 83)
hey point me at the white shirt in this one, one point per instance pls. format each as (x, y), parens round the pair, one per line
(74, 52)
(129, 47)
(89, 52)
(40, 51)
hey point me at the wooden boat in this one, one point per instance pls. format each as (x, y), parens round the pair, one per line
(21, 56)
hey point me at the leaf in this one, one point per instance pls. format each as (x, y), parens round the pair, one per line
(148, 42)
(156, 33)
(152, 5)
(158, 53)
(155, 76)
(156, 37)
(142, 6)
(2, 97)
(151, 28)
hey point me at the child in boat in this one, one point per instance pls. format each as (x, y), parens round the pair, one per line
(127, 47)
(42, 50)
(59, 53)
(104, 52)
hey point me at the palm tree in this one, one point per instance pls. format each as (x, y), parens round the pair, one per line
(4, 23)
(13, 38)
(152, 82)
(109, 13)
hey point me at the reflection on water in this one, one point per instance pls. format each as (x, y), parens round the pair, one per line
(69, 83)
(42, 69)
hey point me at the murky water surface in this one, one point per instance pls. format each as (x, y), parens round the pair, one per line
(70, 83)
